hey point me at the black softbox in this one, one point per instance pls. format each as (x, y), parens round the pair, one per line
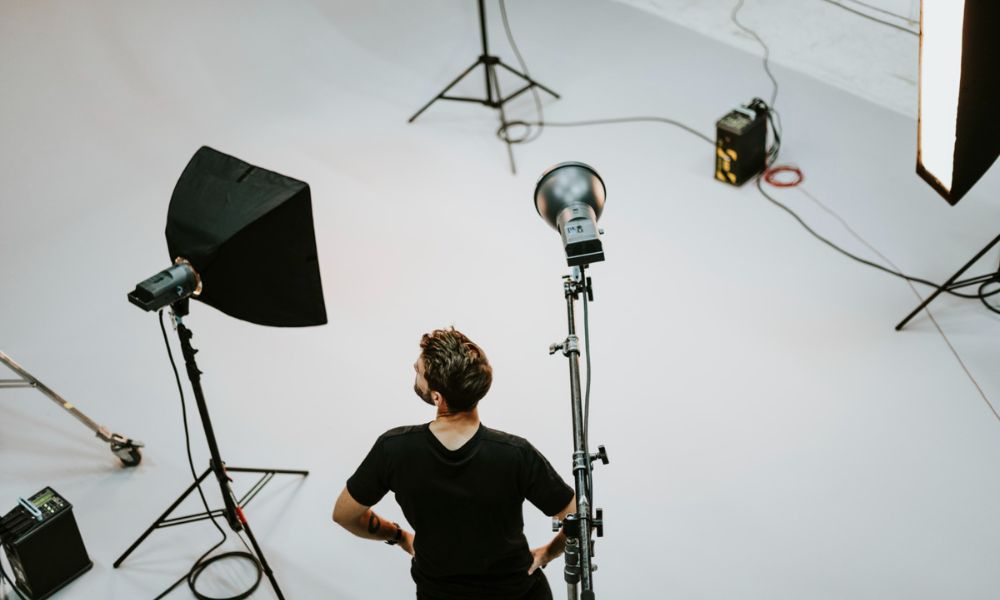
(248, 232)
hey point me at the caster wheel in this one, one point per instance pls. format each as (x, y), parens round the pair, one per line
(130, 457)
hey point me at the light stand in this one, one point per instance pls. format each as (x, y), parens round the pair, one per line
(494, 97)
(570, 197)
(577, 527)
(233, 507)
(242, 240)
(954, 283)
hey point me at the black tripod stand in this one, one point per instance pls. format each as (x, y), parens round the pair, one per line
(577, 527)
(954, 283)
(494, 98)
(233, 507)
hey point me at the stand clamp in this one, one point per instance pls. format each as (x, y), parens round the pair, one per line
(570, 346)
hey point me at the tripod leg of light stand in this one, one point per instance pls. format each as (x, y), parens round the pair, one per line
(163, 517)
(234, 515)
(531, 82)
(260, 556)
(947, 284)
(444, 91)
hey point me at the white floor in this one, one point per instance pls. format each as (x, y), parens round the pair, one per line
(771, 435)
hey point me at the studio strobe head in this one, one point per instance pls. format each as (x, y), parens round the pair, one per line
(570, 197)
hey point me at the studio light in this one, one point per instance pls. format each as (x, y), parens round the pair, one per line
(242, 241)
(958, 130)
(570, 197)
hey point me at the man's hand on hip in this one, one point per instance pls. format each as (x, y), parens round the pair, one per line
(406, 542)
(542, 556)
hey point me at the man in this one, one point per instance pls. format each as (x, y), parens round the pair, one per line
(461, 486)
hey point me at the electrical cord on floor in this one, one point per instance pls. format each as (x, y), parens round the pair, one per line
(771, 170)
(768, 175)
(875, 19)
(852, 256)
(616, 120)
(930, 315)
(203, 562)
(772, 155)
(533, 129)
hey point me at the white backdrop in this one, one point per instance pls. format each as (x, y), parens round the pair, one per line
(771, 436)
(836, 46)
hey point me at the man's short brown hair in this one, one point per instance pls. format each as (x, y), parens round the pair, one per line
(456, 368)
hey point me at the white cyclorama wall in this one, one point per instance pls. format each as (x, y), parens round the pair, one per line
(841, 49)
(771, 436)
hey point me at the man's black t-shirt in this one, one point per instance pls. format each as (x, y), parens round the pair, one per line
(464, 506)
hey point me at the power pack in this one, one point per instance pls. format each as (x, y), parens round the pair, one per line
(43, 544)
(741, 144)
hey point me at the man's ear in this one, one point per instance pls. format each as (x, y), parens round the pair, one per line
(438, 400)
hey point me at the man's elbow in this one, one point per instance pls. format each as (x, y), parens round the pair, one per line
(340, 518)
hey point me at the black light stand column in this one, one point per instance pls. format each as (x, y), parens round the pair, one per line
(234, 515)
(233, 507)
(577, 527)
(215, 464)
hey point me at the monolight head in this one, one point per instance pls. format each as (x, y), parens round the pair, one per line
(570, 197)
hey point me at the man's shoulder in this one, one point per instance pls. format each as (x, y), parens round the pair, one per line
(508, 439)
(401, 432)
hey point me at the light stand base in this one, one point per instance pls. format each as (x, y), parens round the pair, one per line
(953, 283)
(165, 520)
(494, 97)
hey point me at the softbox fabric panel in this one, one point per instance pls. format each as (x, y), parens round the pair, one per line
(976, 127)
(249, 234)
(978, 143)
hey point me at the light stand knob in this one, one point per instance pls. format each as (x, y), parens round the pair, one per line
(601, 455)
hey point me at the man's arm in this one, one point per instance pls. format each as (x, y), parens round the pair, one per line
(542, 555)
(362, 521)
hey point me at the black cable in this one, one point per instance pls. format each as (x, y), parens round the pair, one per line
(871, 18)
(985, 280)
(586, 403)
(767, 50)
(614, 120)
(199, 565)
(757, 181)
(937, 326)
(772, 155)
(772, 113)
(529, 136)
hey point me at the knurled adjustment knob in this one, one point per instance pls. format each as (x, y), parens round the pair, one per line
(601, 455)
